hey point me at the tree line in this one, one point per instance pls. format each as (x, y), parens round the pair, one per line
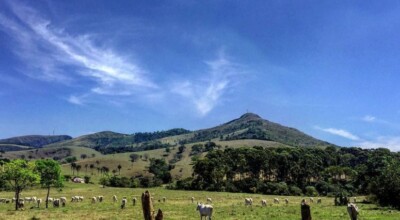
(299, 171)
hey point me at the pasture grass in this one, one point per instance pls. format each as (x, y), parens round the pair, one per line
(228, 206)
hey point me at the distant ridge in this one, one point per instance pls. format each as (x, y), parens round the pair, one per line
(34, 141)
(249, 126)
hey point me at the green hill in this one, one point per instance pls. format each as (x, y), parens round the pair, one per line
(252, 126)
(34, 141)
(248, 127)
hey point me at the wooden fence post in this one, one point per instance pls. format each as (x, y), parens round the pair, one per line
(148, 210)
(305, 211)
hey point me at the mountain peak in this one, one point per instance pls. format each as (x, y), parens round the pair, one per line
(250, 115)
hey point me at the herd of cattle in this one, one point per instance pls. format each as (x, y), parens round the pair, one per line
(205, 210)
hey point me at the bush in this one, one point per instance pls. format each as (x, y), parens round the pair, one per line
(295, 191)
(87, 179)
(311, 191)
(67, 177)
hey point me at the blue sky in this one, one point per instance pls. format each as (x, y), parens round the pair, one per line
(330, 69)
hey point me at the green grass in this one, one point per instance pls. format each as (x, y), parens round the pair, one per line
(228, 206)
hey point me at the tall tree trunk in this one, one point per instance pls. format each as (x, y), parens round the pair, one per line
(47, 197)
(17, 198)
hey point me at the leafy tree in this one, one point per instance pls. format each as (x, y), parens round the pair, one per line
(83, 156)
(160, 169)
(50, 175)
(386, 186)
(20, 174)
(78, 168)
(119, 169)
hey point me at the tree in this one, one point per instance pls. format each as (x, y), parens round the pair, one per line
(50, 175)
(91, 166)
(83, 156)
(73, 167)
(134, 157)
(78, 168)
(20, 174)
(160, 169)
(119, 169)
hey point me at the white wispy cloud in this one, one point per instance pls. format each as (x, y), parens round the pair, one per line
(340, 132)
(390, 142)
(206, 94)
(50, 49)
(76, 100)
(369, 118)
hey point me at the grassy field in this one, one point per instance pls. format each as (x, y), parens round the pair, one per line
(228, 206)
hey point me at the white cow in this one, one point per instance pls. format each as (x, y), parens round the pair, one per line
(134, 200)
(311, 199)
(94, 199)
(248, 201)
(276, 200)
(319, 200)
(115, 198)
(286, 201)
(264, 202)
(192, 199)
(352, 209)
(38, 201)
(205, 211)
(63, 201)
(209, 200)
(100, 198)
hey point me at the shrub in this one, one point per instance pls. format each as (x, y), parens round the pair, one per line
(311, 191)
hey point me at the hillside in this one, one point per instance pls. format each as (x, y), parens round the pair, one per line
(252, 126)
(33, 141)
(248, 126)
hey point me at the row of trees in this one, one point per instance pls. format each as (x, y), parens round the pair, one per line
(287, 171)
(20, 174)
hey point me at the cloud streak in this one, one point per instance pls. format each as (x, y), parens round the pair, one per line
(55, 54)
(340, 132)
(50, 50)
(206, 95)
(390, 142)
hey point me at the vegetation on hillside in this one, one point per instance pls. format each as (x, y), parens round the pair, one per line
(297, 171)
(35, 141)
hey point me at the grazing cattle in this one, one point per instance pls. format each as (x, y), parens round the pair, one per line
(352, 209)
(248, 201)
(192, 199)
(276, 200)
(164, 199)
(94, 199)
(115, 198)
(74, 199)
(264, 202)
(311, 199)
(21, 203)
(38, 201)
(123, 203)
(13, 200)
(50, 199)
(63, 201)
(355, 199)
(319, 200)
(134, 200)
(209, 200)
(30, 199)
(100, 198)
(56, 203)
(286, 201)
(205, 211)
